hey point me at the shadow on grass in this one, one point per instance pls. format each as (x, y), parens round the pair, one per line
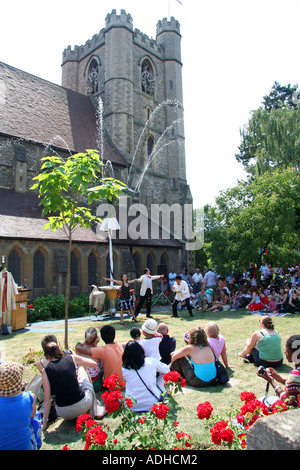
(61, 432)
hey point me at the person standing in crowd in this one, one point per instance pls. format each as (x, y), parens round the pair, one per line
(182, 293)
(146, 291)
(172, 276)
(186, 277)
(210, 281)
(197, 280)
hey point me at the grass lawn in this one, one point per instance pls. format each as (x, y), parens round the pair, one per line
(236, 327)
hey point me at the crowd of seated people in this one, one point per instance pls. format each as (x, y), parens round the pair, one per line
(266, 289)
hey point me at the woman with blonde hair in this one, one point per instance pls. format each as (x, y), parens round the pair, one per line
(196, 361)
(216, 341)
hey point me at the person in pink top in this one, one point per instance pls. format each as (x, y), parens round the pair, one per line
(216, 341)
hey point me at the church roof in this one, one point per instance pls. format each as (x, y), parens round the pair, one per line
(20, 219)
(42, 112)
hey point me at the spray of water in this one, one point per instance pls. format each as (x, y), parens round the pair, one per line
(167, 103)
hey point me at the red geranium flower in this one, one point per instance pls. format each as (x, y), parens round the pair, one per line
(204, 410)
(247, 396)
(182, 436)
(80, 420)
(160, 410)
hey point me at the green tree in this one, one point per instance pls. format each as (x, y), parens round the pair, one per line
(271, 139)
(279, 96)
(63, 187)
(251, 216)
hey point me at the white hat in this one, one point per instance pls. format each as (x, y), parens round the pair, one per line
(150, 326)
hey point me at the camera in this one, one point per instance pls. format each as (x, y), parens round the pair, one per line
(67, 351)
(261, 370)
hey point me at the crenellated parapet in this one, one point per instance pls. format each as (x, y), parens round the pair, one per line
(166, 25)
(122, 20)
(79, 52)
(146, 42)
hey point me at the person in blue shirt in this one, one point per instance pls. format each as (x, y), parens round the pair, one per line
(17, 408)
(196, 361)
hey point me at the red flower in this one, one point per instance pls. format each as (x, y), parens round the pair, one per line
(65, 447)
(30, 306)
(227, 435)
(95, 436)
(204, 410)
(172, 376)
(112, 382)
(129, 402)
(247, 396)
(242, 438)
(90, 423)
(175, 377)
(216, 431)
(80, 420)
(182, 436)
(279, 406)
(160, 410)
(100, 436)
(112, 400)
(142, 420)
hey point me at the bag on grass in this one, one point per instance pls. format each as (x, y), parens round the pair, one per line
(222, 376)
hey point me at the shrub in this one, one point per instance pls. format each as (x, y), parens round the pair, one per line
(52, 307)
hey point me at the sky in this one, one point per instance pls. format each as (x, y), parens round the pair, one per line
(232, 53)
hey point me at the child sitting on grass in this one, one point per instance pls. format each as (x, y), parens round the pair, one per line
(91, 340)
(216, 341)
(152, 339)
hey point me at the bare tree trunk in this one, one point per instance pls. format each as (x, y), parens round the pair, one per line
(68, 286)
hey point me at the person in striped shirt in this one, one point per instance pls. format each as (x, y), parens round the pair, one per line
(291, 391)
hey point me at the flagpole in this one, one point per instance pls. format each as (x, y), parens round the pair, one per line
(169, 1)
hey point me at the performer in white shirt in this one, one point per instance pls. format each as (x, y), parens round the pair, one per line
(182, 294)
(146, 291)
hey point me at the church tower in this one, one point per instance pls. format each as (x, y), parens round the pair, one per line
(139, 81)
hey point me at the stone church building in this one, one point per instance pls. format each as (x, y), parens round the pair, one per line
(121, 94)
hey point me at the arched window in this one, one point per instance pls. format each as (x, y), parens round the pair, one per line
(148, 113)
(137, 264)
(92, 82)
(150, 148)
(14, 266)
(74, 269)
(39, 270)
(147, 77)
(108, 273)
(150, 264)
(92, 269)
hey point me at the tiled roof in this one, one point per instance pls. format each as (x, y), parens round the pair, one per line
(20, 219)
(40, 111)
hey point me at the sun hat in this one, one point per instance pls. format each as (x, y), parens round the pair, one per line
(11, 374)
(150, 326)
